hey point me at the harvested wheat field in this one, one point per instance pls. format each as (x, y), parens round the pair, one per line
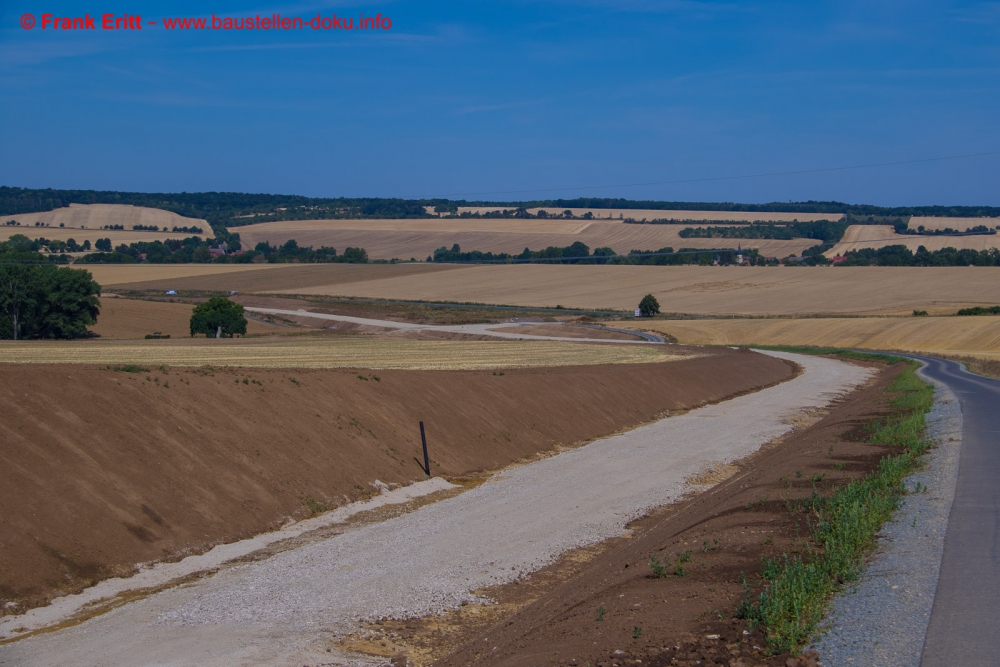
(699, 290)
(162, 274)
(879, 236)
(950, 336)
(94, 216)
(688, 289)
(253, 277)
(101, 469)
(656, 214)
(418, 238)
(362, 352)
(130, 318)
(961, 224)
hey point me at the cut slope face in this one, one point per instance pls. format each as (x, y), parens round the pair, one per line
(101, 470)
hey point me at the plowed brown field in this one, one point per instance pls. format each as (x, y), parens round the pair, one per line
(405, 239)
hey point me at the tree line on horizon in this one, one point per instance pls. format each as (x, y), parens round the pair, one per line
(234, 209)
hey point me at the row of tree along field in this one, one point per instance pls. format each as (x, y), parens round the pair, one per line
(900, 255)
(579, 253)
(197, 250)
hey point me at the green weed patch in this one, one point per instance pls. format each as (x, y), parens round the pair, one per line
(843, 526)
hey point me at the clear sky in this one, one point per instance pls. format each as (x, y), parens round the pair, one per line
(462, 98)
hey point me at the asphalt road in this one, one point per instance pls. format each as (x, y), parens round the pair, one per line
(965, 620)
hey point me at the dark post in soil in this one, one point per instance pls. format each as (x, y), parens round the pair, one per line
(427, 461)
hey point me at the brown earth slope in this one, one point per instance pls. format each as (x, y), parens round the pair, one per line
(103, 469)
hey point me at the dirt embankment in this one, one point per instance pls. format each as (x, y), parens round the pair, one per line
(103, 469)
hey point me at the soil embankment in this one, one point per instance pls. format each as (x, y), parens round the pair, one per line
(102, 469)
(606, 607)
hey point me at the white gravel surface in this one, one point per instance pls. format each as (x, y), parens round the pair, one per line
(290, 608)
(882, 620)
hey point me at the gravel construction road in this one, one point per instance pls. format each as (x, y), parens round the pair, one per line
(291, 608)
(469, 329)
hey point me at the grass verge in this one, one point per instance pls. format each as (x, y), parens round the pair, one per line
(843, 526)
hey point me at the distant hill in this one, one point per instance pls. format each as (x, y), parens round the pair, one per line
(233, 209)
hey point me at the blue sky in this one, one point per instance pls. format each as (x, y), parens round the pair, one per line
(476, 99)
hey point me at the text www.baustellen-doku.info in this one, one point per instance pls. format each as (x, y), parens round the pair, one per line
(213, 22)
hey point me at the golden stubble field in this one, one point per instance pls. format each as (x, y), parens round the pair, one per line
(418, 238)
(879, 236)
(696, 290)
(961, 224)
(361, 352)
(84, 222)
(953, 336)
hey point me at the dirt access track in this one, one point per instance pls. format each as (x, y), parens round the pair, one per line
(102, 469)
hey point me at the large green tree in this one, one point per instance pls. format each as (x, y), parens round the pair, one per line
(649, 306)
(45, 301)
(218, 317)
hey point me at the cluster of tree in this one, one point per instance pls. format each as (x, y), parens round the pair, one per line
(576, 253)
(171, 251)
(947, 231)
(900, 255)
(517, 212)
(42, 300)
(812, 256)
(22, 244)
(218, 317)
(155, 228)
(198, 250)
(979, 310)
(115, 227)
(821, 230)
(69, 245)
(687, 256)
(290, 251)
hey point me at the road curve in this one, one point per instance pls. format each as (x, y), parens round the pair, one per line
(964, 618)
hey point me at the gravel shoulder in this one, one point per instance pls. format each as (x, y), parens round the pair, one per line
(882, 620)
(293, 607)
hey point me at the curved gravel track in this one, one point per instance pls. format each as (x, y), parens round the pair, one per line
(290, 608)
